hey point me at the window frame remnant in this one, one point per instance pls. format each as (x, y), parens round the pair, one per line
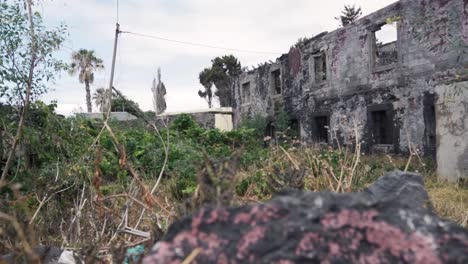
(276, 82)
(320, 67)
(392, 57)
(246, 92)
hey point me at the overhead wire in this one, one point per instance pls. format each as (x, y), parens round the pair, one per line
(198, 44)
(117, 11)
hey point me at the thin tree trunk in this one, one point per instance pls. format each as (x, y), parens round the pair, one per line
(88, 97)
(29, 84)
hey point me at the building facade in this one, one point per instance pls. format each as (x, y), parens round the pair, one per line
(397, 80)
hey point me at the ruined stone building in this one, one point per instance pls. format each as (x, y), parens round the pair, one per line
(397, 78)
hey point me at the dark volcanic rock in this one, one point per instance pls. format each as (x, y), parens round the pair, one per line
(390, 222)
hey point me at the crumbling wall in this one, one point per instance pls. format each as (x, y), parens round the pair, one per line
(452, 130)
(206, 119)
(465, 21)
(431, 49)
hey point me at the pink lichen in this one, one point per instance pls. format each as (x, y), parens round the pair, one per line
(346, 217)
(211, 243)
(197, 221)
(265, 214)
(223, 259)
(334, 249)
(248, 240)
(257, 215)
(307, 244)
(387, 239)
(164, 254)
(185, 237)
(284, 261)
(217, 215)
(242, 218)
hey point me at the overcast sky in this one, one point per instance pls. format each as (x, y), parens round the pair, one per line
(258, 25)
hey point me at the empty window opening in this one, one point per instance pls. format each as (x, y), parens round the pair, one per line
(381, 128)
(322, 125)
(385, 46)
(276, 78)
(246, 92)
(320, 66)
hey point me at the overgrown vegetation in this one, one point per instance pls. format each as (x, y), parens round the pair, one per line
(57, 194)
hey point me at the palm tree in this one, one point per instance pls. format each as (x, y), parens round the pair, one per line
(84, 62)
(100, 98)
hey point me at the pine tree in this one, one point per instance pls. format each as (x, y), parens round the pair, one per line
(349, 15)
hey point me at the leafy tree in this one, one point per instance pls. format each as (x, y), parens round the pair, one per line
(349, 15)
(26, 62)
(85, 63)
(205, 80)
(16, 55)
(223, 72)
(120, 104)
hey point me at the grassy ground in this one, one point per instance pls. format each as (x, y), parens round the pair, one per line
(449, 200)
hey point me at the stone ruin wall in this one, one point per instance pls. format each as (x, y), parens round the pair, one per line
(431, 50)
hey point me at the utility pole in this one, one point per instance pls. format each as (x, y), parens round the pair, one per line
(111, 83)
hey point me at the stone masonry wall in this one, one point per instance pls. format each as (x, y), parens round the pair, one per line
(452, 130)
(432, 50)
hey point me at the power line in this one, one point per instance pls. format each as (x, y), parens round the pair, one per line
(198, 44)
(117, 15)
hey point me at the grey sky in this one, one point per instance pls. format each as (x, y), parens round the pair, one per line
(260, 25)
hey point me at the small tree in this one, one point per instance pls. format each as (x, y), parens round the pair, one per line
(222, 74)
(26, 63)
(206, 81)
(100, 97)
(349, 15)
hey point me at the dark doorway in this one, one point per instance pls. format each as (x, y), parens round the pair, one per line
(321, 126)
(382, 128)
(430, 139)
(270, 130)
(295, 129)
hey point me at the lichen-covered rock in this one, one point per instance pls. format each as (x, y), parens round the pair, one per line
(390, 222)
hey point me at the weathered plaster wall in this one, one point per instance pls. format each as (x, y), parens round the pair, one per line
(432, 50)
(206, 119)
(465, 21)
(452, 130)
(223, 122)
